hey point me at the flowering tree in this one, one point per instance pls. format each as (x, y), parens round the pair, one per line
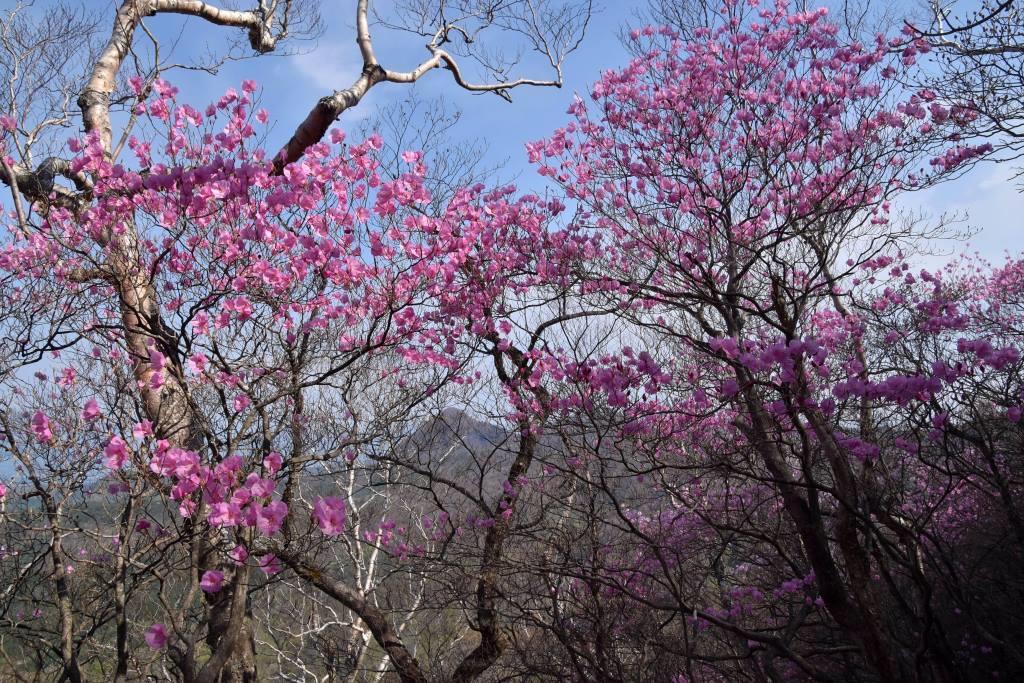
(220, 362)
(740, 184)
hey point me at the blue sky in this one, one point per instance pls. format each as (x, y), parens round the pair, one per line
(987, 200)
(292, 84)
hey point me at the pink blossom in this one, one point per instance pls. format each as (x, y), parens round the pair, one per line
(115, 454)
(67, 377)
(330, 515)
(212, 581)
(91, 411)
(238, 554)
(157, 359)
(259, 487)
(187, 507)
(225, 514)
(197, 363)
(141, 430)
(270, 518)
(273, 462)
(41, 427)
(269, 564)
(156, 636)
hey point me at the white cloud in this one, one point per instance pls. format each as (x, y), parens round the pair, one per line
(989, 198)
(329, 67)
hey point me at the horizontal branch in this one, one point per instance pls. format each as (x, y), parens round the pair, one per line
(439, 56)
(261, 37)
(38, 185)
